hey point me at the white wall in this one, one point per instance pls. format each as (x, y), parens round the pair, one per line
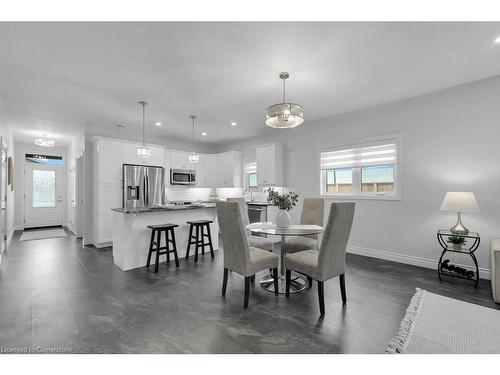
(450, 141)
(20, 150)
(6, 134)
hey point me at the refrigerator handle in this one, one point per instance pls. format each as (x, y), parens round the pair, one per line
(146, 190)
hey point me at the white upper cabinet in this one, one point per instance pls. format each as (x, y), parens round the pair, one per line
(109, 162)
(206, 171)
(228, 166)
(270, 164)
(180, 160)
(130, 155)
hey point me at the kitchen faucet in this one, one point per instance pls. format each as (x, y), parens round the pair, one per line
(251, 194)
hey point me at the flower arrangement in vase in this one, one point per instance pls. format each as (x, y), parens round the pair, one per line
(284, 202)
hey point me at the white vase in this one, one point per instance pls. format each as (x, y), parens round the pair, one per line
(283, 219)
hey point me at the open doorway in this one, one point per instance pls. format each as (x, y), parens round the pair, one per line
(43, 190)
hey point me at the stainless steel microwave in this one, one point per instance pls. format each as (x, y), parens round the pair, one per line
(182, 177)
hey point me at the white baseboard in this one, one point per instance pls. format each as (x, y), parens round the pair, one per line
(9, 239)
(103, 244)
(484, 273)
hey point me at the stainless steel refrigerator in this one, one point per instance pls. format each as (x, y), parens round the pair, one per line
(143, 186)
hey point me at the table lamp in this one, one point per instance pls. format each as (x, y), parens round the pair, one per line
(459, 201)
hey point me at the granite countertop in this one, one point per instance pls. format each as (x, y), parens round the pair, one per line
(162, 209)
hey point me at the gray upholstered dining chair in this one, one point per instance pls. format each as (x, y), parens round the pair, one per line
(253, 241)
(329, 261)
(312, 214)
(238, 255)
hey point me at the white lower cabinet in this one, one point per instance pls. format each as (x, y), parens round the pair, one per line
(109, 197)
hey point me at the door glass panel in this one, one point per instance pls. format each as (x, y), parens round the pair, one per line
(44, 188)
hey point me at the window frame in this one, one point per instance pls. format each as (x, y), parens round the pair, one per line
(246, 179)
(356, 171)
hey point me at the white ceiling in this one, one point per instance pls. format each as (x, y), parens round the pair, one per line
(59, 77)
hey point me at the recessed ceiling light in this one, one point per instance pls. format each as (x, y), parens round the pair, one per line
(204, 134)
(45, 142)
(158, 124)
(233, 124)
(497, 40)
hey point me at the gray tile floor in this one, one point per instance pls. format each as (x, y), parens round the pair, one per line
(56, 293)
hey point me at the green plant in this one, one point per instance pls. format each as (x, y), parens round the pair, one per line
(282, 201)
(456, 240)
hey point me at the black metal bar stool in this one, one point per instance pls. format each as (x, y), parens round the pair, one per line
(202, 233)
(168, 229)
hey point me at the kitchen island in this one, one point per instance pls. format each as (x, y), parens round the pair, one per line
(131, 235)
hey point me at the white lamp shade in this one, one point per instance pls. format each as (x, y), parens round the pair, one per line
(460, 201)
(143, 151)
(194, 158)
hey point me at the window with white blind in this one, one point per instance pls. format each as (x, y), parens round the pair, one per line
(250, 176)
(366, 170)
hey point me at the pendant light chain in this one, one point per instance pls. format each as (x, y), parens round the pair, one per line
(284, 80)
(143, 103)
(193, 117)
(143, 121)
(142, 150)
(194, 157)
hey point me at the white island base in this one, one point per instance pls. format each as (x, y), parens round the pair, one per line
(131, 235)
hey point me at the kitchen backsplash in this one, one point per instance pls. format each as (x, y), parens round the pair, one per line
(182, 193)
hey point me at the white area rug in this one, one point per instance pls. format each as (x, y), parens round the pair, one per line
(437, 324)
(42, 234)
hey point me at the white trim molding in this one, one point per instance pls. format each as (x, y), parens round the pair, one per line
(484, 273)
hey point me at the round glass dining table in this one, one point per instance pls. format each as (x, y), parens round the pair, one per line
(297, 283)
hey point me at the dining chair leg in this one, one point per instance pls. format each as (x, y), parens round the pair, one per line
(342, 288)
(224, 282)
(247, 291)
(321, 297)
(287, 283)
(275, 277)
(310, 282)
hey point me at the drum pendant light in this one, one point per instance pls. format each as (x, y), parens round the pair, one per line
(284, 115)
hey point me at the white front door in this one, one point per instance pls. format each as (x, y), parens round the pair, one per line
(43, 195)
